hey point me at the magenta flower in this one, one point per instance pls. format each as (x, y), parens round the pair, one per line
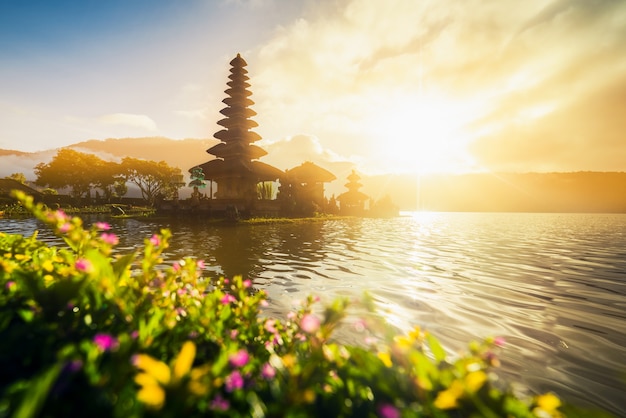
(310, 323)
(234, 381)
(220, 404)
(239, 359)
(105, 342)
(228, 298)
(155, 240)
(110, 239)
(102, 226)
(387, 410)
(268, 372)
(83, 265)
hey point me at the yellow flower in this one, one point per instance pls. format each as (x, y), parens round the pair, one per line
(182, 364)
(448, 398)
(385, 358)
(157, 369)
(548, 402)
(47, 266)
(150, 393)
(475, 380)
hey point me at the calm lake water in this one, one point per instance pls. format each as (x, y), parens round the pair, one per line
(553, 285)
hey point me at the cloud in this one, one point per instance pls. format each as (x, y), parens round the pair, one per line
(129, 119)
(523, 85)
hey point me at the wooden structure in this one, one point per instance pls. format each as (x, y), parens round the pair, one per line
(235, 169)
(305, 185)
(353, 201)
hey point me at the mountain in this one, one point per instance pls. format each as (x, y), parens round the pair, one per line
(184, 153)
(477, 192)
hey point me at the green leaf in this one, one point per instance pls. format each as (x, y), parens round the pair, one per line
(37, 392)
(436, 348)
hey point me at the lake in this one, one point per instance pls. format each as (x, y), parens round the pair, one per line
(553, 285)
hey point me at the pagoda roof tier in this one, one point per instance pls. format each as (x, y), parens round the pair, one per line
(236, 91)
(238, 101)
(353, 185)
(308, 172)
(237, 149)
(233, 135)
(239, 83)
(352, 196)
(233, 112)
(237, 122)
(219, 169)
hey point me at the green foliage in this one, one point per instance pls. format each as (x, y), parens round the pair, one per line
(87, 331)
(17, 177)
(153, 179)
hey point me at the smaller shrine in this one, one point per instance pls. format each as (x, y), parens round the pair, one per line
(353, 201)
(303, 186)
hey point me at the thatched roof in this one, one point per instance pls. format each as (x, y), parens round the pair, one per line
(308, 172)
(7, 185)
(217, 169)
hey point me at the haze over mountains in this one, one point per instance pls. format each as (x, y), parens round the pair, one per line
(518, 192)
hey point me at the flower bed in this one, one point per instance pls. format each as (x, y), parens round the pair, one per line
(86, 332)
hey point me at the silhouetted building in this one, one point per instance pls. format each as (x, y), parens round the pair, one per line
(235, 169)
(353, 201)
(304, 187)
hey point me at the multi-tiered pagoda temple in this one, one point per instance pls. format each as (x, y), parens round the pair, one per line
(235, 169)
(353, 201)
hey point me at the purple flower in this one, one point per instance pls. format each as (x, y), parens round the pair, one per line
(110, 239)
(105, 342)
(239, 359)
(310, 323)
(387, 410)
(219, 404)
(234, 381)
(103, 226)
(268, 372)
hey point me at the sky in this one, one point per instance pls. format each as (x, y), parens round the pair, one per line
(394, 86)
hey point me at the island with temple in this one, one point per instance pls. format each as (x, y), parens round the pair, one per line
(234, 184)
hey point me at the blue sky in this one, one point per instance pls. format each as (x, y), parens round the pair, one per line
(393, 86)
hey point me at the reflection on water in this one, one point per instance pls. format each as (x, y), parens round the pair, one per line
(554, 285)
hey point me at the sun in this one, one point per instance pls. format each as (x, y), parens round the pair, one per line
(421, 135)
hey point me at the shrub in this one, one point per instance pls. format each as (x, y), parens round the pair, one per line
(87, 331)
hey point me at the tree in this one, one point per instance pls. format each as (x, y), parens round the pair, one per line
(153, 179)
(17, 177)
(109, 177)
(69, 168)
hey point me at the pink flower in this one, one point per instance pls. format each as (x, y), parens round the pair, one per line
(110, 239)
(387, 410)
(228, 298)
(270, 326)
(239, 359)
(247, 283)
(65, 227)
(61, 215)
(103, 226)
(233, 334)
(83, 265)
(105, 342)
(200, 264)
(310, 323)
(234, 381)
(219, 404)
(268, 372)
(155, 240)
(176, 266)
(499, 341)
(134, 335)
(10, 285)
(264, 303)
